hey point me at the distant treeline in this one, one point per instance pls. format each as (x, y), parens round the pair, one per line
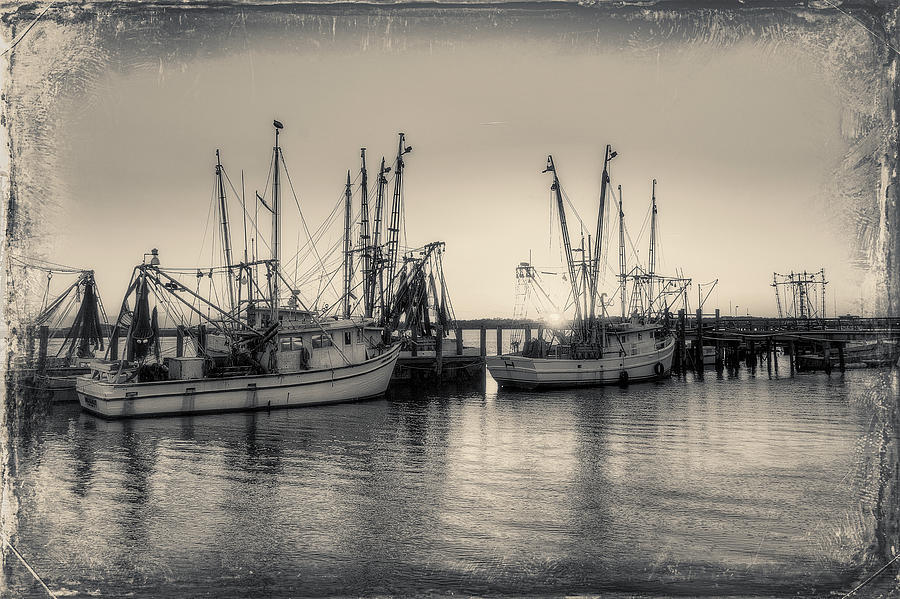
(493, 323)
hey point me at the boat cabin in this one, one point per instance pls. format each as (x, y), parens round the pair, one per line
(326, 344)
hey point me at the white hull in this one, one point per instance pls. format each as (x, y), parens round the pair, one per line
(532, 373)
(269, 391)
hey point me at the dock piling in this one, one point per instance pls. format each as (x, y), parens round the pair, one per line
(499, 340)
(179, 342)
(42, 349)
(29, 344)
(114, 345)
(482, 343)
(439, 351)
(698, 363)
(459, 342)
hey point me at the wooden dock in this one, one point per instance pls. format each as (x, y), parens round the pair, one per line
(806, 343)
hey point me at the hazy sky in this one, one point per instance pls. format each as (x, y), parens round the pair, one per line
(742, 141)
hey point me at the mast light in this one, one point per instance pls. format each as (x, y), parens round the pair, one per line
(278, 124)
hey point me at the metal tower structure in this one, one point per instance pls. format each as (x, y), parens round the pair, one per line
(800, 294)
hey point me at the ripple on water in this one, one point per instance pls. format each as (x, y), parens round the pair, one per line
(749, 486)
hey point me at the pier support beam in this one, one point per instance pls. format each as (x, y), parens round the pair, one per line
(792, 358)
(826, 357)
(43, 341)
(680, 344)
(179, 341)
(775, 356)
(29, 344)
(698, 354)
(842, 364)
(720, 362)
(114, 345)
(439, 351)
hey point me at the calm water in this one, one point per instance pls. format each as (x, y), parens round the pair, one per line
(755, 486)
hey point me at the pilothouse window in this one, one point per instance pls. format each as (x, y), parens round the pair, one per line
(321, 341)
(348, 337)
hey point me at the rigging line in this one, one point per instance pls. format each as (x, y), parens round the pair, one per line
(27, 29)
(316, 237)
(571, 205)
(206, 228)
(302, 218)
(633, 245)
(243, 206)
(27, 565)
(38, 264)
(644, 224)
(320, 232)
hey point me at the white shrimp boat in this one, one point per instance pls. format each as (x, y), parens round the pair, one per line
(252, 353)
(316, 386)
(648, 357)
(595, 351)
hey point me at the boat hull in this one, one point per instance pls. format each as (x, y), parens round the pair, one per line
(271, 391)
(538, 373)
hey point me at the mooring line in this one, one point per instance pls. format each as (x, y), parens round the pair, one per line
(872, 577)
(30, 569)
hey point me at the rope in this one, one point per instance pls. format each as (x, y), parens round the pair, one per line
(30, 569)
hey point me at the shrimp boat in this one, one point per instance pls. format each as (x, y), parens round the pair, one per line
(76, 340)
(595, 351)
(252, 354)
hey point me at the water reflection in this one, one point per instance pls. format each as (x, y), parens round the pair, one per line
(737, 484)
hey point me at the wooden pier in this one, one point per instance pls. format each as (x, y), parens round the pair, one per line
(806, 343)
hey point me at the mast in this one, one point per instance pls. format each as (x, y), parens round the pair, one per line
(622, 286)
(652, 259)
(567, 244)
(226, 234)
(276, 225)
(598, 240)
(364, 236)
(348, 248)
(246, 257)
(396, 210)
(377, 260)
